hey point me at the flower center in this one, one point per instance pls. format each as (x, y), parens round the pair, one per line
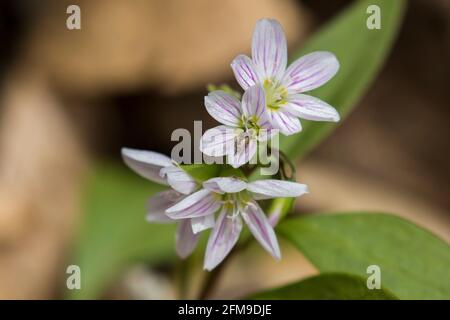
(250, 123)
(235, 203)
(275, 95)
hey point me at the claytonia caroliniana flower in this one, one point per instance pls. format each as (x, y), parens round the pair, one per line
(161, 169)
(273, 101)
(244, 124)
(234, 199)
(284, 88)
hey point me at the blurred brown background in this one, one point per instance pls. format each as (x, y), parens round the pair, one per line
(137, 70)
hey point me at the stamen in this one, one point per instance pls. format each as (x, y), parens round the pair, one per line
(233, 198)
(275, 95)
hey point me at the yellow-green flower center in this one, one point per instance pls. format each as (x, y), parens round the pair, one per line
(250, 123)
(275, 95)
(235, 202)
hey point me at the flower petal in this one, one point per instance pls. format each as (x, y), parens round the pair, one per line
(269, 49)
(157, 205)
(245, 71)
(198, 204)
(254, 104)
(202, 223)
(243, 152)
(261, 229)
(179, 180)
(286, 122)
(271, 188)
(186, 240)
(218, 141)
(310, 71)
(225, 185)
(223, 107)
(311, 108)
(146, 163)
(222, 239)
(267, 134)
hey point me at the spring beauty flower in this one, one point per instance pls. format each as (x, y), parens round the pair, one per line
(235, 200)
(161, 169)
(244, 125)
(284, 88)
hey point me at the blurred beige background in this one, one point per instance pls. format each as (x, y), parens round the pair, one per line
(138, 69)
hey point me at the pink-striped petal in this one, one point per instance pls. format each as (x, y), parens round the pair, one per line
(311, 108)
(286, 122)
(218, 141)
(222, 239)
(254, 104)
(198, 204)
(267, 134)
(274, 218)
(186, 240)
(202, 223)
(271, 188)
(310, 71)
(245, 71)
(269, 49)
(157, 205)
(146, 163)
(223, 107)
(261, 229)
(225, 185)
(179, 180)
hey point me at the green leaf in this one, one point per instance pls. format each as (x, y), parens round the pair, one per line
(114, 232)
(361, 53)
(414, 263)
(202, 172)
(332, 286)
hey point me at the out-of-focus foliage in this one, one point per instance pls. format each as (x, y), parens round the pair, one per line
(414, 263)
(114, 232)
(361, 53)
(327, 286)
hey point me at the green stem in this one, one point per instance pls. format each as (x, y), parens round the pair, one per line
(212, 278)
(183, 278)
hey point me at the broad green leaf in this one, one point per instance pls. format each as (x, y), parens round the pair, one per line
(414, 263)
(114, 232)
(332, 286)
(361, 53)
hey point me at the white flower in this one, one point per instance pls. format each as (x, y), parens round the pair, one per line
(244, 124)
(161, 169)
(234, 199)
(284, 88)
